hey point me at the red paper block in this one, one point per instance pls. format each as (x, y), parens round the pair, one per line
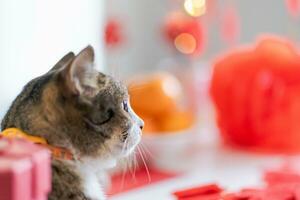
(273, 178)
(206, 191)
(202, 197)
(282, 184)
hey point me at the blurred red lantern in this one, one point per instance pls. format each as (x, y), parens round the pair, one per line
(184, 33)
(230, 26)
(293, 7)
(256, 92)
(211, 10)
(113, 34)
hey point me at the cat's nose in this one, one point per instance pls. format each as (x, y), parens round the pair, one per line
(142, 124)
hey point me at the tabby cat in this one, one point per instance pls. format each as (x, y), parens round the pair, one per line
(87, 112)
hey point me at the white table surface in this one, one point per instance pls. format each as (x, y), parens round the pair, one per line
(229, 168)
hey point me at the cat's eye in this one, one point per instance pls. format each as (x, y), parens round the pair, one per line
(125, 106)
(105, 119)
(110, 114)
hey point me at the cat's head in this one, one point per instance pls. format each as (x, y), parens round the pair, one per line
(77, 107)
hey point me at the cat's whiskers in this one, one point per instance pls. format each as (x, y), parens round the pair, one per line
(135, 162)
(124, 165)
(130, 161)
(127, 165)
(123, 175)
(145, 164)
(146, 150)
(131, 166)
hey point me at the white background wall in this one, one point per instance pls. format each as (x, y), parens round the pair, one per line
(35, 34)
(145, 46)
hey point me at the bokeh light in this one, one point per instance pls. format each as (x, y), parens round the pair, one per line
(195, 8)
(185, 43)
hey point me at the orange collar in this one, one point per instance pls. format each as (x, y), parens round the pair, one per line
(57, 152)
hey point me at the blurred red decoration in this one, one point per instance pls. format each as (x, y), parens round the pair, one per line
(211, 10)
(230, 26)
(293, 7)
(256, 92)
(25, 170)
(280, 185)
(123, 182)
(113, 33)
(180, 25)
(200, 192)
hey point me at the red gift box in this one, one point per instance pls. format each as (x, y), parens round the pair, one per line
(15, 152)
(15, 179)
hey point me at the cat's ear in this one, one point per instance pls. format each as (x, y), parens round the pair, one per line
(66, 60)
(80, 75)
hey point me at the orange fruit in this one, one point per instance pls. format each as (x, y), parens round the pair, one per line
(155, 94)
(176, 121)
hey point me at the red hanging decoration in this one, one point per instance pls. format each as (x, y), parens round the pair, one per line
(184, 33)
(230, 26)
(211, 10)
(113, 33)
(293, 7)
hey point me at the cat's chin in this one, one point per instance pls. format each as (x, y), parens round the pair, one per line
(119, 154)
(131, 149)
(127, 153)
(98, 163)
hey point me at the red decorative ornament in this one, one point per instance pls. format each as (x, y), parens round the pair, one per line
(113, 33)
(204, 192)
(184, 33)
(211, 10)
(230, 26)
(256, 92)
(280, 185)
(293, 7)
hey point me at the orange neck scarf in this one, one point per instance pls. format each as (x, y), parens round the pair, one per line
(57, 152)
